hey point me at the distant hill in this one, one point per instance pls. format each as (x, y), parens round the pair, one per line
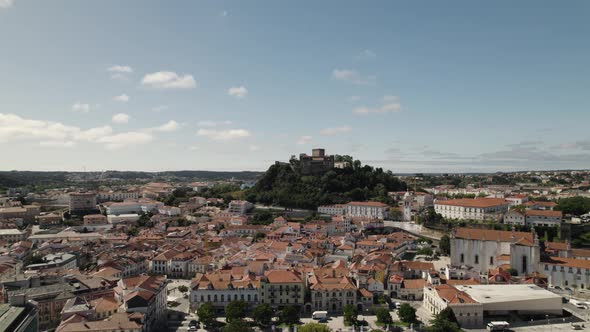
(283, 185)
(34, 180)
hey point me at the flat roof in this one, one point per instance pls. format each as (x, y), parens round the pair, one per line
(506, 293)
(8, 315)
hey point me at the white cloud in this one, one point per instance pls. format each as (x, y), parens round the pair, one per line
(122, 140)
(390, 98)
(169, 80)
(6, 3)
(366, 55)
(120, 69)
(81, 107)
(224, 135)
(335, 130)
(120, 118)
(209, 123)
(304, 140)
(49, 133)
(160, 108)
(122, 98)
(58, 144)
(384, 109)
(352, 76)
(254, 148)
(168, 126)
(354, 98)
(224, 13)
(93, 134)
(237, 91)
(194, 148)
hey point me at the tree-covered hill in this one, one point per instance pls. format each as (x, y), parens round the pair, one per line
(283, 185)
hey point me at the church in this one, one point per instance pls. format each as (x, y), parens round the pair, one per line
(476, 251)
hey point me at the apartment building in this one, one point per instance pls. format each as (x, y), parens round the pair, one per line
(237, 207)
(533, 217)
(281, 288)
(13, 235)
(221, 287)
(146, 295)
(107, 196)
(82, 202)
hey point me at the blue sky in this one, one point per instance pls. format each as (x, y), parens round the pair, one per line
(235, 85)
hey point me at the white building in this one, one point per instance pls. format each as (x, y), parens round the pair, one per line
(333, 210)
(472, 303)
(170, 211)
(220, 289)
(123, 218)
(146, 295)
(106, 196)
(367, 209)
(533, 217)
(479, 249)
(475, 209)
(55, 263)
(566, 272)
(239, 207)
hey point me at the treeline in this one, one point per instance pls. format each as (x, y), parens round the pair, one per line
(283, 185)
(574, 205)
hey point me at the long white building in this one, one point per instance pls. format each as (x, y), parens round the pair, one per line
(476, 208)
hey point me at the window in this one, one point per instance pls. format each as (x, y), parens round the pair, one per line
(462, 258)
(524, 264)
(476, 259)
(491, 260)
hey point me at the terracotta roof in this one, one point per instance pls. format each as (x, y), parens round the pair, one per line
(544, 213)
(414, 283)
(452, 295)
(541, 203)
(568, 262)
(282, 276)
(492, 235)
(375, 204)
(474, 202)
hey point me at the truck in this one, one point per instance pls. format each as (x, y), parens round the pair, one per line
(497, 326)
(319, 315)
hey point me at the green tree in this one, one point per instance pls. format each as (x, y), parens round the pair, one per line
(406, 313)
(237, 325)
(445, 245)
(444, 321)
(289, 315)
(235, 310)
(182, 289)
(206, 314)
(262, 315)
(447, 314)
(350, 314)
(313, 327)
(383, 316)
(577, 205)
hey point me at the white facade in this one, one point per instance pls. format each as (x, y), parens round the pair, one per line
(367, 209)
(475, 209)
(117, 195)
(239, 207)
(333, 210)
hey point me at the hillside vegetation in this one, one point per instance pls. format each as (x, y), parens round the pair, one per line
(283, 185)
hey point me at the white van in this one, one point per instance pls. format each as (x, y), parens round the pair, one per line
(497, 326)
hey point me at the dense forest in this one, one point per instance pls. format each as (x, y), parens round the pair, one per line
(283, 185)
